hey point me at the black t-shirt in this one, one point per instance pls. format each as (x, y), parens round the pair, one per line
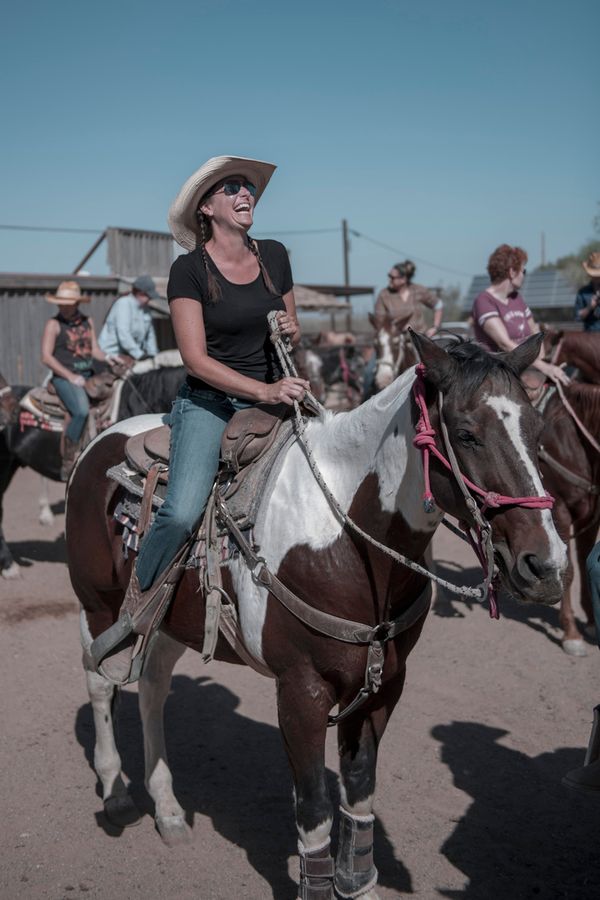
(237, 332)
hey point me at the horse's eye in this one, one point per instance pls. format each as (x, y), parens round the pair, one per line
(467, 438)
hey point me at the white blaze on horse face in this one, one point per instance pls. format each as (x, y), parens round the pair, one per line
(509, 414)
(384, 373)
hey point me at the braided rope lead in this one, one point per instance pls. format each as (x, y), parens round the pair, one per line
(283, 353)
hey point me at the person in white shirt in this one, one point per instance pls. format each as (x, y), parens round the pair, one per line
(128, 328)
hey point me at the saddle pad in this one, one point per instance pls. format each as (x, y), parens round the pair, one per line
(42, 404)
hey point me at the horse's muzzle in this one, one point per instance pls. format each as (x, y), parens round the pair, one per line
(528, 577)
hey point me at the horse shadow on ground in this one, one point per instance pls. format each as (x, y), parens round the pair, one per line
(543, 619)
(26, 553)
(232, 769)
(524, 835)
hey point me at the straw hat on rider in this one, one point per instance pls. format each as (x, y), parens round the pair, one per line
(183, 220)
(68, 292)
(592, 264)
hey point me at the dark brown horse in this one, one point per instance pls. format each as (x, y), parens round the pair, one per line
(570, 465)
(370, 464)
(24, 445)
(580, 349)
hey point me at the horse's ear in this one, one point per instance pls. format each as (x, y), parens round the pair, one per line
(524, 355)
(440, 369)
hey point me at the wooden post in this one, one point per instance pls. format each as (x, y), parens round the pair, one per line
(346, 246)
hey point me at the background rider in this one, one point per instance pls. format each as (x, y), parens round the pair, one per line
(69, 347)
(502, 319)
(128, 328)
(587, 301)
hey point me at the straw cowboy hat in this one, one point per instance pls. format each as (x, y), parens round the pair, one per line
(592, 264)
(68, 292)
(182, 215)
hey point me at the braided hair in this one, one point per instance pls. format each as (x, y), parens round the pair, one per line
(214, 288)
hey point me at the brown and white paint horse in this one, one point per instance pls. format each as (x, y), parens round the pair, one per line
(570, 466)
(369, 462)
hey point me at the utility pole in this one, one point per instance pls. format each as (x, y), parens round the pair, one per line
(543, 249)
(346, 248)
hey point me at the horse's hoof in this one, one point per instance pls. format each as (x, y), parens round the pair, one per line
(574, 647)
(174, 830)
(12, 572)
(121, 811)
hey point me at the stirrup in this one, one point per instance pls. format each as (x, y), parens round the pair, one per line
(113, 652)
(120, 651)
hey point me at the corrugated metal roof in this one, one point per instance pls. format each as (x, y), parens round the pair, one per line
(546, 289)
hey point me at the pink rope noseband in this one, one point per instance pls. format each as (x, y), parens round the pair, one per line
(424, 441)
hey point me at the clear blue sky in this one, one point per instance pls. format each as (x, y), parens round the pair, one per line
(440, 128)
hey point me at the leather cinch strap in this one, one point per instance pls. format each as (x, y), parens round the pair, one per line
(332, 626)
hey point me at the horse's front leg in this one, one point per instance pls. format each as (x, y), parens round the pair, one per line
(46, 516)
(304, 701)
(119, 808)
(153, 690)
(584, 543)
(572, 641)
(358, 743)
(8, 567)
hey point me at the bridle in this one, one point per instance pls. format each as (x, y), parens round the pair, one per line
(480, 537)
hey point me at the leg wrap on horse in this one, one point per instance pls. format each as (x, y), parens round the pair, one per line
(355, 872)
(316, 873)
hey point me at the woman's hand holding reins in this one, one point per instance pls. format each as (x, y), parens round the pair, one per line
(78, 380)
(285, 391)
(554, 373)
(288, 325)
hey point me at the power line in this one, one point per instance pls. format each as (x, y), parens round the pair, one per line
(48, 228)
(425, 262)
(305, 231)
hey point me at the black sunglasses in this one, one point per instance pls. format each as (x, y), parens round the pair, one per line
(231, 188)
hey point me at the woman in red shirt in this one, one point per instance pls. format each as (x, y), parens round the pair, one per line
(502, 319)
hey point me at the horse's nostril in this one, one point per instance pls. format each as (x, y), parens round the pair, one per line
(529, 566)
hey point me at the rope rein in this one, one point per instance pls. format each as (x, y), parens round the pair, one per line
(283, 353)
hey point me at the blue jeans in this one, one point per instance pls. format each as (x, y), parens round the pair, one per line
(198, 420)
(593, 574)
(76, 401)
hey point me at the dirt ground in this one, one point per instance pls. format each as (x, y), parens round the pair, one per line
(469, 800)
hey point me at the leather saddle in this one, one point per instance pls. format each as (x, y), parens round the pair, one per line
(249, 435)
(249, 447)
(44, 401)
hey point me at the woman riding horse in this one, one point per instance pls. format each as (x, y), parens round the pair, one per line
(502, 318)
(69, 347)
(401, 303)
(219, 296)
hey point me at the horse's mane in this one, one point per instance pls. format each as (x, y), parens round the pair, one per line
(476, 364)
